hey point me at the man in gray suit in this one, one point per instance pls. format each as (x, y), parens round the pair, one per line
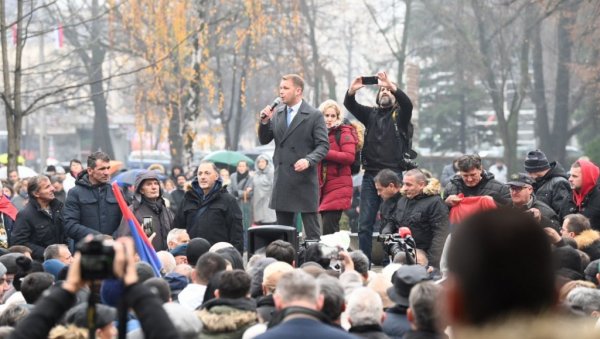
(301, 141)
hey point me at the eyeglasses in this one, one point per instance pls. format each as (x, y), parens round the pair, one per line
(516, 189)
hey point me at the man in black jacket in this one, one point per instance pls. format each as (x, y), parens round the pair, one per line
(474, 181)
(208, 211)
(388, 184)
(521, 194)
(387, 127)
(91, 206)
(40, 223)
(422, 210)
(551, 184)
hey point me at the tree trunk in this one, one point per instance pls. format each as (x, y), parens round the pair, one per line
(563, 86)
(402, 52)
(542, 125)
(100, 131)
(175, 137)
(12, 94)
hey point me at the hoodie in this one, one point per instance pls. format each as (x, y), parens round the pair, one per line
(589, 178)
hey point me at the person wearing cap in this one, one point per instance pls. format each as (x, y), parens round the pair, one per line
(586, 192)
(40, 223)
(396, 323)
(523, 198)
(179, 253)
(150, 210)
(551, 184)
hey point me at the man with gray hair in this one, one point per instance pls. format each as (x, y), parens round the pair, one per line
(365, 314)
(421, 210)
(176, 237)
(585, 300)
(208, 211)
(423, 312)
(298, 299)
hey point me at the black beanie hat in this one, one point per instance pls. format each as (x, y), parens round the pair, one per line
(536, 161)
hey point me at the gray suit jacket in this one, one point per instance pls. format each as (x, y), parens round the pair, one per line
(305, 138)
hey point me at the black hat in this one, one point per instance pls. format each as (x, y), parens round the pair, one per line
(520, 180)
(78, 315)
(536, 161)
(404, 279)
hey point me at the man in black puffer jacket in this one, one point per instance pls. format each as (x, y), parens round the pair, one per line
(551, 184)
(91, 206)
(422, 210)
(40, 223)
(474, 181)
(208, 211)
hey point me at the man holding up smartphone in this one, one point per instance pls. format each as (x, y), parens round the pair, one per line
(388, 134)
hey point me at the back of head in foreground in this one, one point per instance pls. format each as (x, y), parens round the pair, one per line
(500, 265)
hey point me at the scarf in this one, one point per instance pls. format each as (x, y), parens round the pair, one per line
(6, 207)
(155, 205)
(241, 176)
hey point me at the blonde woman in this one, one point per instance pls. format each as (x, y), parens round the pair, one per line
(335, 177)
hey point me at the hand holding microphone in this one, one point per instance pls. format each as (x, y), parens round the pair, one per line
(267, 112)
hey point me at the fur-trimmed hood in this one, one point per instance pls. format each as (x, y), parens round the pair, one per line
(586, 238)
(227, 315)
(433, 187)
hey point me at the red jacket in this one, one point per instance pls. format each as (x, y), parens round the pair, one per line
(335, 178)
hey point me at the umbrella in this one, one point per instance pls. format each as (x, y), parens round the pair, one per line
(128, 177)
(4, 159)
(24, 172)
(229, 158)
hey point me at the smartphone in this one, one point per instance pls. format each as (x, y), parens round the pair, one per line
(147, 226)
(371, 80)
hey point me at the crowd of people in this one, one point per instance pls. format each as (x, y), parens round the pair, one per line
(477, 253)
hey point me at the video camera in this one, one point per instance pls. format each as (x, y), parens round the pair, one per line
(401, 242)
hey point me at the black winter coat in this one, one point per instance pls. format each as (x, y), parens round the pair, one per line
(380, 133)
(590, 207)
(50, 308)
(90, 209)
(427, 218)
(387, 212)
(554, 189)
(220, 220)
(37, 229)
(487, 186)
(549, 217)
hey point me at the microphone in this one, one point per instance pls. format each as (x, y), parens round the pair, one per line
(274, 104)
(404, 232)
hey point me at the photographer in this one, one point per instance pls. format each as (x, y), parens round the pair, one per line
(387, 127)
(49, 309)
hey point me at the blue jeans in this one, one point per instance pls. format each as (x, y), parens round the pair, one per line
(369, 207)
